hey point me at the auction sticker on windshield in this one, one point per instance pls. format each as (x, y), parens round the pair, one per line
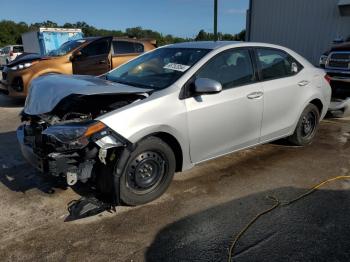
(176, 67)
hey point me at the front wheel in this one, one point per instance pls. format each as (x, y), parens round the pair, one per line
(306, 127)
(148, 172)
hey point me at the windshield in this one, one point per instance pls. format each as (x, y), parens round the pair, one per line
(66, 47)
(157, 69)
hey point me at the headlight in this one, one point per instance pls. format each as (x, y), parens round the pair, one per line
(21, 66)
(72, 132)
(323, 59)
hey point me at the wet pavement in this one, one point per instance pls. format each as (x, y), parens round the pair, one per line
(198, 217)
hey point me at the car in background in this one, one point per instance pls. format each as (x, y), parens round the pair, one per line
(336, 62)
(86, 56)
(130, 130)
(9, 53)
(1, 66)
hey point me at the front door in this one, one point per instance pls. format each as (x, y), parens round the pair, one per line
(230, 120)
(94, 58)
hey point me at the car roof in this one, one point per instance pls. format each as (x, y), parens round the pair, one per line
(219, 44)
(212, 45)
(204, 44)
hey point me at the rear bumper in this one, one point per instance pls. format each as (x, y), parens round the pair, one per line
(336, 105)
(28, 153)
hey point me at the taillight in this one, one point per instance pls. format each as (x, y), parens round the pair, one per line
(11, 53)
(328, 79)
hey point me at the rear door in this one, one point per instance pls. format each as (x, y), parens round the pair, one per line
(284, 85)
(124, 50)
(94, 58)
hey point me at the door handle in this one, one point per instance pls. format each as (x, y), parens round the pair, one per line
(102, 62)
(303, 83)
(255, 95)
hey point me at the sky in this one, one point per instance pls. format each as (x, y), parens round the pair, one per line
(182, 18)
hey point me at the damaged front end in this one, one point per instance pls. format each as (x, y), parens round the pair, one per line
(68, 142)
(67, 150)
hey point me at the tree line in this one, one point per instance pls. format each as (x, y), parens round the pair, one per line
(10, 32)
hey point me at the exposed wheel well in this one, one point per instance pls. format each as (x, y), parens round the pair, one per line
(318, 104)
(175, 146)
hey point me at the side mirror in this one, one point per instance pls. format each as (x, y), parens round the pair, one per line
(206, 86)
(75, 55)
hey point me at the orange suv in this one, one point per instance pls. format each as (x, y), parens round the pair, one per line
(86, 56)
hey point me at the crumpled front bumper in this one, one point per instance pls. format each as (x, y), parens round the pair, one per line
(69, 164)
(28, 153)
(4, 87)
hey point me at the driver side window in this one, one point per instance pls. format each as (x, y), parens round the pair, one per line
(231, 68)
(99, 47)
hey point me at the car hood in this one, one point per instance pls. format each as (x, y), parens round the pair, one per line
(26, 58)
(341, 47)
(47, 91)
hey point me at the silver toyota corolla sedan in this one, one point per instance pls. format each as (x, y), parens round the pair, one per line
(129, 131)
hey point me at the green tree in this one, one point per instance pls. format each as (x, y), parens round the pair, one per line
(204, 36)
(240, 36)
(10, 32)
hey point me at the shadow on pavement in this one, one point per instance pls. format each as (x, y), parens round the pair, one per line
(15, 173)
(18, 176)
(9, 102)
(315, 228)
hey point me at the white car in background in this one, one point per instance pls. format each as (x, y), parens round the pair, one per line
(9, 53)
(129, 131)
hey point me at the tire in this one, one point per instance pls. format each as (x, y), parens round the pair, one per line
(307, 126)
(148, 172)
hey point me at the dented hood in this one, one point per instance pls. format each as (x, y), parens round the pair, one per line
(47, 91)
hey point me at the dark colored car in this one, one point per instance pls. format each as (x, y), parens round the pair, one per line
(336, 62)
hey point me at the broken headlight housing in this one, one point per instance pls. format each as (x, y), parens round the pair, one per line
(67, 133)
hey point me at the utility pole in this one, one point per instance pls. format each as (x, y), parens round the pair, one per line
(215, 20)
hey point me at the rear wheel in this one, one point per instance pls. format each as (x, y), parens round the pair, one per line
(306, 127)
(148, 172)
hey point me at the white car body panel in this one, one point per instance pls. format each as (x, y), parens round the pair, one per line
(238, 124)
(209, 126)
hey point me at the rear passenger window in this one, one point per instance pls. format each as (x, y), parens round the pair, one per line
(125, 47)
(230, 68)
(276, 64)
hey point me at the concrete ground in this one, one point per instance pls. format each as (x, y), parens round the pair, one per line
(198, 217)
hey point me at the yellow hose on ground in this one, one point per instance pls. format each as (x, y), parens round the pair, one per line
(277, 204)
